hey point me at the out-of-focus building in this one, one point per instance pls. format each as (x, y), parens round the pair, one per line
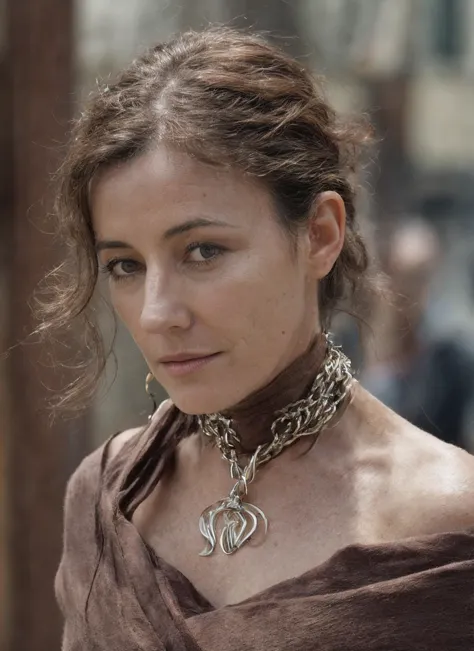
(410, 63)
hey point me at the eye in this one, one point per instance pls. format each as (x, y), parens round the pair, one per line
(203, 252)
(120, 269)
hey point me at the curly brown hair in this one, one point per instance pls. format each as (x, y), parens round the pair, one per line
(227, 98)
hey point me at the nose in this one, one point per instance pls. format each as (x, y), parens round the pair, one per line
(163, 307)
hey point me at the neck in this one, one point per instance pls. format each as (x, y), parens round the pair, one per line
(253, 417)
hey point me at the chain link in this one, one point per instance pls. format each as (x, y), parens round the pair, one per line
(306, 417)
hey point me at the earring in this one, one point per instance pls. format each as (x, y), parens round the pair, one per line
(148, 380)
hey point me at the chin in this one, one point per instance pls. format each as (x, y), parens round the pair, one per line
(201, 401)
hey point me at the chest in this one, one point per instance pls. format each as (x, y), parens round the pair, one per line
(305, 527)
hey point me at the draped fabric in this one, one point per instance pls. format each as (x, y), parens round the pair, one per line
(116, 594)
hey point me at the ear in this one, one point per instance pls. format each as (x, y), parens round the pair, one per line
(326, 230)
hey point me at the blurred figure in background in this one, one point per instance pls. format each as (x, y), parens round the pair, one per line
(426, 377)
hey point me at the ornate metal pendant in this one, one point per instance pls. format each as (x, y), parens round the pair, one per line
(238, 521)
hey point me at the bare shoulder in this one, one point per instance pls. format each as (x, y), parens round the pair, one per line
(432, 482)
(89, 470)
(121, 440)
(87, 475)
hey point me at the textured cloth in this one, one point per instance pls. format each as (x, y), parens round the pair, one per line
(116, 594)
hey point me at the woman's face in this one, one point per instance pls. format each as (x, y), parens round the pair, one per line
(204, 277)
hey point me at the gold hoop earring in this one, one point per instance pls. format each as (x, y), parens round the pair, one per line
(148, 380)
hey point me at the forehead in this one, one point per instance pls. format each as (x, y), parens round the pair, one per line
(174, 186)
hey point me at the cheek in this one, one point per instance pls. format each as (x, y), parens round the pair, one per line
(261, 298)
(127, 304)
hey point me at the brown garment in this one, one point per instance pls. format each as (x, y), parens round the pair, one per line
(118, 595)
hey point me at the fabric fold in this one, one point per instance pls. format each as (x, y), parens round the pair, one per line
(117, 594)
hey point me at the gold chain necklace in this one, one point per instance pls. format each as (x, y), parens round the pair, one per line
(306, 417)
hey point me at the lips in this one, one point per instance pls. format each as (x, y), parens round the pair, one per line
(183, 357)
(185, 363)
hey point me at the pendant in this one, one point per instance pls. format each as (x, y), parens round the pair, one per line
(240, 521)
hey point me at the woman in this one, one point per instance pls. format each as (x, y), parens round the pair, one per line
(211, 184)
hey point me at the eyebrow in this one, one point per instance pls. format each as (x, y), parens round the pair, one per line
(189, 225)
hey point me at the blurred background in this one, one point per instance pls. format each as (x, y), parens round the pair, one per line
(408, 64)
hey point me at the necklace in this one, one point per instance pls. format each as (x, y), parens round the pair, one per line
(239, 519)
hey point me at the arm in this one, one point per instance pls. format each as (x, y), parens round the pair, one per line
(80, 547)
(83, 537)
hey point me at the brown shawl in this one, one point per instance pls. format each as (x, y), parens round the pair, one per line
(116, 594)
